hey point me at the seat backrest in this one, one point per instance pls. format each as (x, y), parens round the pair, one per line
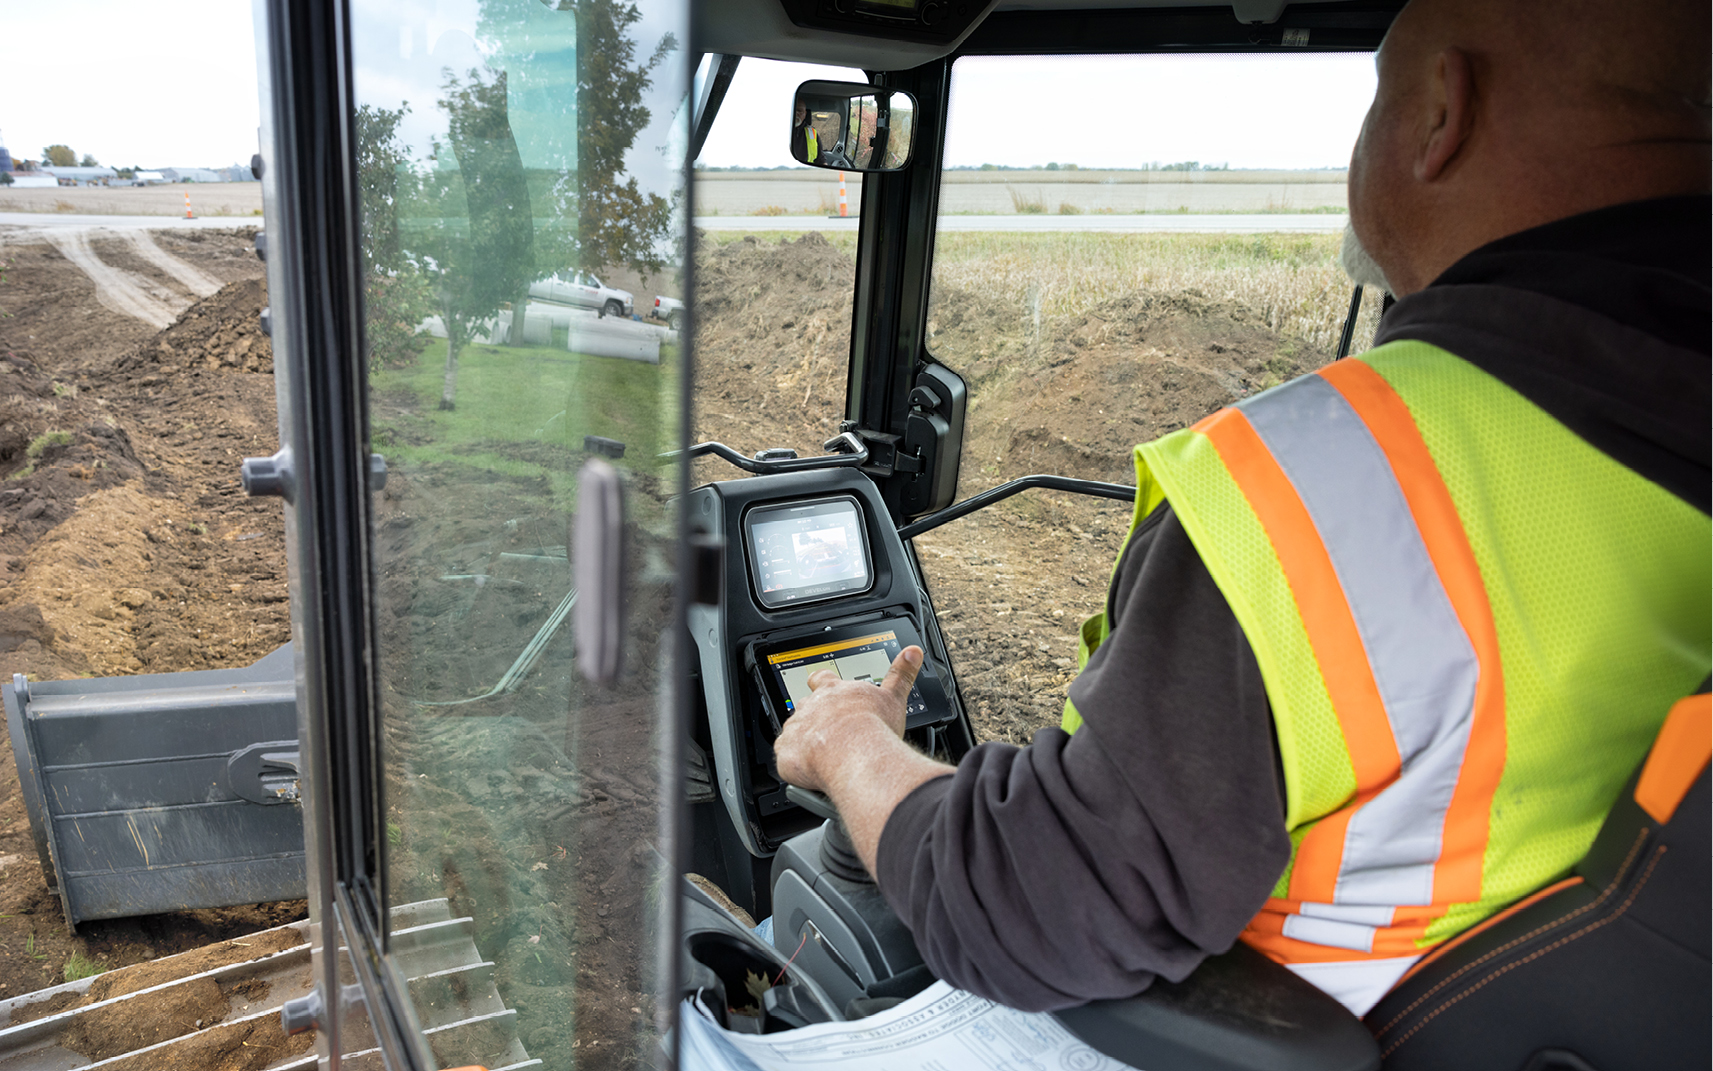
(1606, 969)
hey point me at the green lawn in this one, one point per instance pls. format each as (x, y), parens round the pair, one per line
(522, 412)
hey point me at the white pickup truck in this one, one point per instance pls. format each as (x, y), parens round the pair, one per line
(669, 309)
(582, 290)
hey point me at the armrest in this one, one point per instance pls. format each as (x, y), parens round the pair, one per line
(1238, 1012)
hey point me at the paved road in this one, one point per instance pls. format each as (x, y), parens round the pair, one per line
(1305, 223)
(46, 221)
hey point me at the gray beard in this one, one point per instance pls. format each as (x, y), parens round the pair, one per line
(1357, 264)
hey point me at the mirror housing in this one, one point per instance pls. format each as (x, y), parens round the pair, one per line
(849, 126)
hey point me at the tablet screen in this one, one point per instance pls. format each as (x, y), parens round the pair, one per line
(861, 658)
(806, 551)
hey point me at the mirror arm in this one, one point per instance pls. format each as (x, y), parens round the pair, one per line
(713, 95)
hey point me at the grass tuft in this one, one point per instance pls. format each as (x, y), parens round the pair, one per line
(46, 439)
(79, 967)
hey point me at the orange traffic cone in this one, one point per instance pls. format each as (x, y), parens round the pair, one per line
(187, 213)
(844, 206)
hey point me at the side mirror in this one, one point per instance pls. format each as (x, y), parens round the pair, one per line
(848, 126)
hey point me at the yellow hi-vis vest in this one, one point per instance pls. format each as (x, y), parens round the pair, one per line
(1469, 622)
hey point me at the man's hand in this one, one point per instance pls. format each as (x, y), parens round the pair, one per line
(842, 716)
(847, 740)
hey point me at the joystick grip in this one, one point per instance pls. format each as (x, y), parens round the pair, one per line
(838, 854)
(816, 803)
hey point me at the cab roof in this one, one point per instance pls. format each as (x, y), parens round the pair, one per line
(794, 29)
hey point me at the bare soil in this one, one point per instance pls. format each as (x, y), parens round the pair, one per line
(126, 543)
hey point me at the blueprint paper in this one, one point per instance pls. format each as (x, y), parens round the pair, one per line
(939, 1029)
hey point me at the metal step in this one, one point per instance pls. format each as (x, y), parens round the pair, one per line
(451, 986)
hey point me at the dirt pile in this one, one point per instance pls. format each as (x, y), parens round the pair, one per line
(772, 341)
(126, 543)
(220, 332)
(1077, 396)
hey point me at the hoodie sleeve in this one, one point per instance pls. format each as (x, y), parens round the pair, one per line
(1082, 867)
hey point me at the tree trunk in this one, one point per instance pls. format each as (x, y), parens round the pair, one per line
(449, 390)
(520, 306)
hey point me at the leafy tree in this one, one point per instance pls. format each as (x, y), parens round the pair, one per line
(5, 178)
(59, 156)
(395, 295)
(472, 230)
(89, 161)
(126, 172)
(617, 223)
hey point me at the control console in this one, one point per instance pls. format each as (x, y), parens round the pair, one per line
(815, 578)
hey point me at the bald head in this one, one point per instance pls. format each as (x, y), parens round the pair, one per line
(1494, 116)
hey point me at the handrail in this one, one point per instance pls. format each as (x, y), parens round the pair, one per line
(848, 451)
(1098, 489)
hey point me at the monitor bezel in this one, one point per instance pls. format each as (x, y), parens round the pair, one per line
(758, 514)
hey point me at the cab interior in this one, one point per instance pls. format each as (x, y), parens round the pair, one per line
(907, 429)
(904, 458)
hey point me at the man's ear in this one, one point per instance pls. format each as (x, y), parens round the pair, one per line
(1452, 98)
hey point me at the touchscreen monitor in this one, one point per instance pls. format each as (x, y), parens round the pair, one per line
(807, 551)
(858, 658)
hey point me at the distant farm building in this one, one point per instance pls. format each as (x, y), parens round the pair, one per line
(149, 178)
(28, 180)
(191, 174)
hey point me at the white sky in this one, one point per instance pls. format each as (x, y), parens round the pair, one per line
(130, 83)
(1095, 111)
(182, 92)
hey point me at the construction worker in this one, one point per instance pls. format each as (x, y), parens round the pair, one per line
(805, 144)
(1384, 642)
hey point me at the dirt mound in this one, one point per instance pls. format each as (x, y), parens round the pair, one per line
(221, 331)
(1079, 395)
(59, 466)
(772, 341)
(126, 543)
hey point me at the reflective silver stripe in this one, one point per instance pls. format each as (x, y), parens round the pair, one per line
(1423, 662)
(1351, 935)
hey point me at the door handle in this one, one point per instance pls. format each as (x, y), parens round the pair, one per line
(598, 619)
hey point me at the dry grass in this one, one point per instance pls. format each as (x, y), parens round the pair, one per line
(1293, 280)
(1024, 205)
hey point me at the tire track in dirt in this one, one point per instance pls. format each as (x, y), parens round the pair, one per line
(188, 276)
(124, 292)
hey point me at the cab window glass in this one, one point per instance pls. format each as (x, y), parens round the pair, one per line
(1125, 244)
(775, 272)
(522, 202)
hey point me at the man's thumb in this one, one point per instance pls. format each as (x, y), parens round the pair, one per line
(902, 676)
